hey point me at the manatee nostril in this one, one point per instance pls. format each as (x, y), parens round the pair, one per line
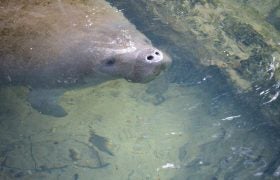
(157, 53)
(150, 57)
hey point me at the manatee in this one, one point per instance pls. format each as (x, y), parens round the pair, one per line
(51, 46)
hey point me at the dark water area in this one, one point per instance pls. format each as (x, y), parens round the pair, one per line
(274, 17)
(193, 122)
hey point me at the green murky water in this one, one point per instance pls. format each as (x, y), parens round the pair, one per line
(191, 126)
(192, 134)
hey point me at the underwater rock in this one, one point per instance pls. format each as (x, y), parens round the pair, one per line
(243, 33)
(74, 154)
(100, 142)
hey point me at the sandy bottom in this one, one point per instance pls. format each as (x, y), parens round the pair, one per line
(182, 133)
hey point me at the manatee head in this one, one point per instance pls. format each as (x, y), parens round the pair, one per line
(141, 65)
(119, 50)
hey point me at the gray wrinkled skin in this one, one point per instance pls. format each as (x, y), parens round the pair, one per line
(64, 43)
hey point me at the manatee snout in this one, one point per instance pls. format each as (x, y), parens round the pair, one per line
(139, 66)
(150, 62)
(154, 56)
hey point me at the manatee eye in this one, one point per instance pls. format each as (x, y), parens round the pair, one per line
(110, 62)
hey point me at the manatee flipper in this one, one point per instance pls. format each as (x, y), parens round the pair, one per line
(46, 101)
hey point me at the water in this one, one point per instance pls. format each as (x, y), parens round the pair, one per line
(187, 124)
(191, 129)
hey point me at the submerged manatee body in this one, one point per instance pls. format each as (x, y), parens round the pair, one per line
(53, 45)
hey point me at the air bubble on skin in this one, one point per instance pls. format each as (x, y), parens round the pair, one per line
(89, 21)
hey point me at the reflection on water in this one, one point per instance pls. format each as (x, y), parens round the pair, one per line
(191, 126)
